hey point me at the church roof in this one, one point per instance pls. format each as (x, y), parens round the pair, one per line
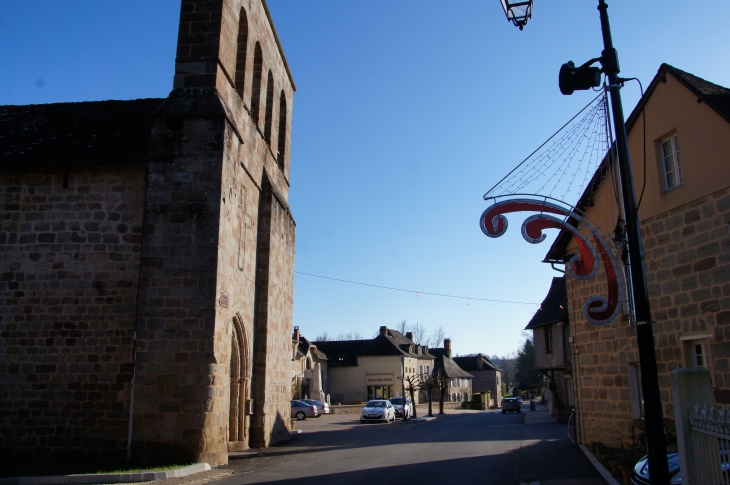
(92, 131)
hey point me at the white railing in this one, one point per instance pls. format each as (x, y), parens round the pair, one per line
(710, 429)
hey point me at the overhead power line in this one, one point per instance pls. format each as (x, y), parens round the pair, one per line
(469, 298)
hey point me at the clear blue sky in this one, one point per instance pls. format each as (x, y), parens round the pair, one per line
(406, 113)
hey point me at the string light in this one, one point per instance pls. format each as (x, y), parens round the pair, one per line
(416, 292)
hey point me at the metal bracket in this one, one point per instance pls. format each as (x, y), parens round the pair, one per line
(646, 322)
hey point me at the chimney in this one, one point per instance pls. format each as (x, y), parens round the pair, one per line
(447, 346)
(409, 336)
(383, 330)
(480, 361)
(296, 334)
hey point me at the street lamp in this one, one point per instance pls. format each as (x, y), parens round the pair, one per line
(518, 12)
(585, 77)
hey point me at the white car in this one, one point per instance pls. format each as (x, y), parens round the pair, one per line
(400, 409)
(378, 410)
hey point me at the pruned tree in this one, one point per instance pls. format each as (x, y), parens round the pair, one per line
(428, 384)
(412, 383)
(442, 384)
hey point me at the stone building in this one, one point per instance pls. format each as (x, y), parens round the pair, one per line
(360, 370)
(487, 376)
(147, 255)
(685, 222)
(553, 357)
(308, 369)
(460, 382)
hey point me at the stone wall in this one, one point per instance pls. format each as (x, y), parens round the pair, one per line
(688, 272)
(488, 380)
(69, 258)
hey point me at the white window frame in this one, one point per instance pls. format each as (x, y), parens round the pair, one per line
(671, 156)
(690, 344)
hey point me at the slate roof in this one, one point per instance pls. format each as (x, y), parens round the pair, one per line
(471, 363)
(553, 308)
(96, 131)
(446, 365)
(305, 345)
(345, 352)
(715, 96)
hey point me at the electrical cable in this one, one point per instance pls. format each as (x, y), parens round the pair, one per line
(415, 291)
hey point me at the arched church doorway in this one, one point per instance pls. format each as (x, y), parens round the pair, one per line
(238, 416)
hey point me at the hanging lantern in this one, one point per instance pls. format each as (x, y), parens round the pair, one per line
(517, 12)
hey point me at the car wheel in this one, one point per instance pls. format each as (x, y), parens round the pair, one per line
(362, 421)
(300, 416)
(503, 411)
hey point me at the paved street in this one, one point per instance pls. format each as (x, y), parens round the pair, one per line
(465, 447)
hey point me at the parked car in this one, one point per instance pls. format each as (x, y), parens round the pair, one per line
(322, 407)
(302, 410)
(378, 410)
(397, 403)
(519, 400)
(640, 476)
(511, 404)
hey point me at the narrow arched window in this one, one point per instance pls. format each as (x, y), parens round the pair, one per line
(269, 107)
(240, 77)
(256, 88)
(282, 130)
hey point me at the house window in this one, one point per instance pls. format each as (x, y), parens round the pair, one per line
(697, 352)
(637, 397)
(672, 162)
(549, 339)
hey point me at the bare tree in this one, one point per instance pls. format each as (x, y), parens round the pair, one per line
(442, 384)
(402, 327)
(419, 333)
(322, 337)
(349, 336)
(437, 337)
(412, 383)
(428, 384)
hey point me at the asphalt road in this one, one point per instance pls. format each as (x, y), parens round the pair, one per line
(484, 447)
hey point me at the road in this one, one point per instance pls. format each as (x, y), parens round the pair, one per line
(465, 447)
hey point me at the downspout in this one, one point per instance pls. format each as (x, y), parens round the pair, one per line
(136, 319)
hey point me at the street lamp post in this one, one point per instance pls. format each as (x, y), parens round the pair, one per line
(583, 77)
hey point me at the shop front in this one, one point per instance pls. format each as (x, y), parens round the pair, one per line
(380, 386)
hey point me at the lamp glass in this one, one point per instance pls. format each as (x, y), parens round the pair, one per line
(517, 12)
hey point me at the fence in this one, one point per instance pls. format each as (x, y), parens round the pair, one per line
(703, 429)
(710, 437)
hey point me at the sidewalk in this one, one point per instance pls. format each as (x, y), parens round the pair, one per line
(541, 415)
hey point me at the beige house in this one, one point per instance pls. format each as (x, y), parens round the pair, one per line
(308, 369)
(460, 386)
(360, 370)
(685, 221)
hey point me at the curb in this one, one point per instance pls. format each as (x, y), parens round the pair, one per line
(601, 469)
(107, 477)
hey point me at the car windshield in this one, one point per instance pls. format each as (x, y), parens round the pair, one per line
(375, 404)
(396, 400)
(312, 401)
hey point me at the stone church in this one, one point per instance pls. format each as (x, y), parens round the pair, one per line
(147, 257)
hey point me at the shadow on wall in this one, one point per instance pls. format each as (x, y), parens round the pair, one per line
(281, 430)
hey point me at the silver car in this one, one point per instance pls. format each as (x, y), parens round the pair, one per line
(401, 409)
(302, 410)
(322, 407)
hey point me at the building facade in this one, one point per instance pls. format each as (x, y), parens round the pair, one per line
(147, 257)
(360, 370)
(685, 220)
(459, 387)
(308, 369)
(487, 376)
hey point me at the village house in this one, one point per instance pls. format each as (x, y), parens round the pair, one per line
(361, 370)
(553, 355)
(147, 264)
(459, 385)
(683, 122)
(487, 376)
(309, 369)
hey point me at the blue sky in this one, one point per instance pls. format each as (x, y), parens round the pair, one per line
(406, 113)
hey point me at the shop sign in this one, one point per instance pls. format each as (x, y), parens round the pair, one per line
(380, 380)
